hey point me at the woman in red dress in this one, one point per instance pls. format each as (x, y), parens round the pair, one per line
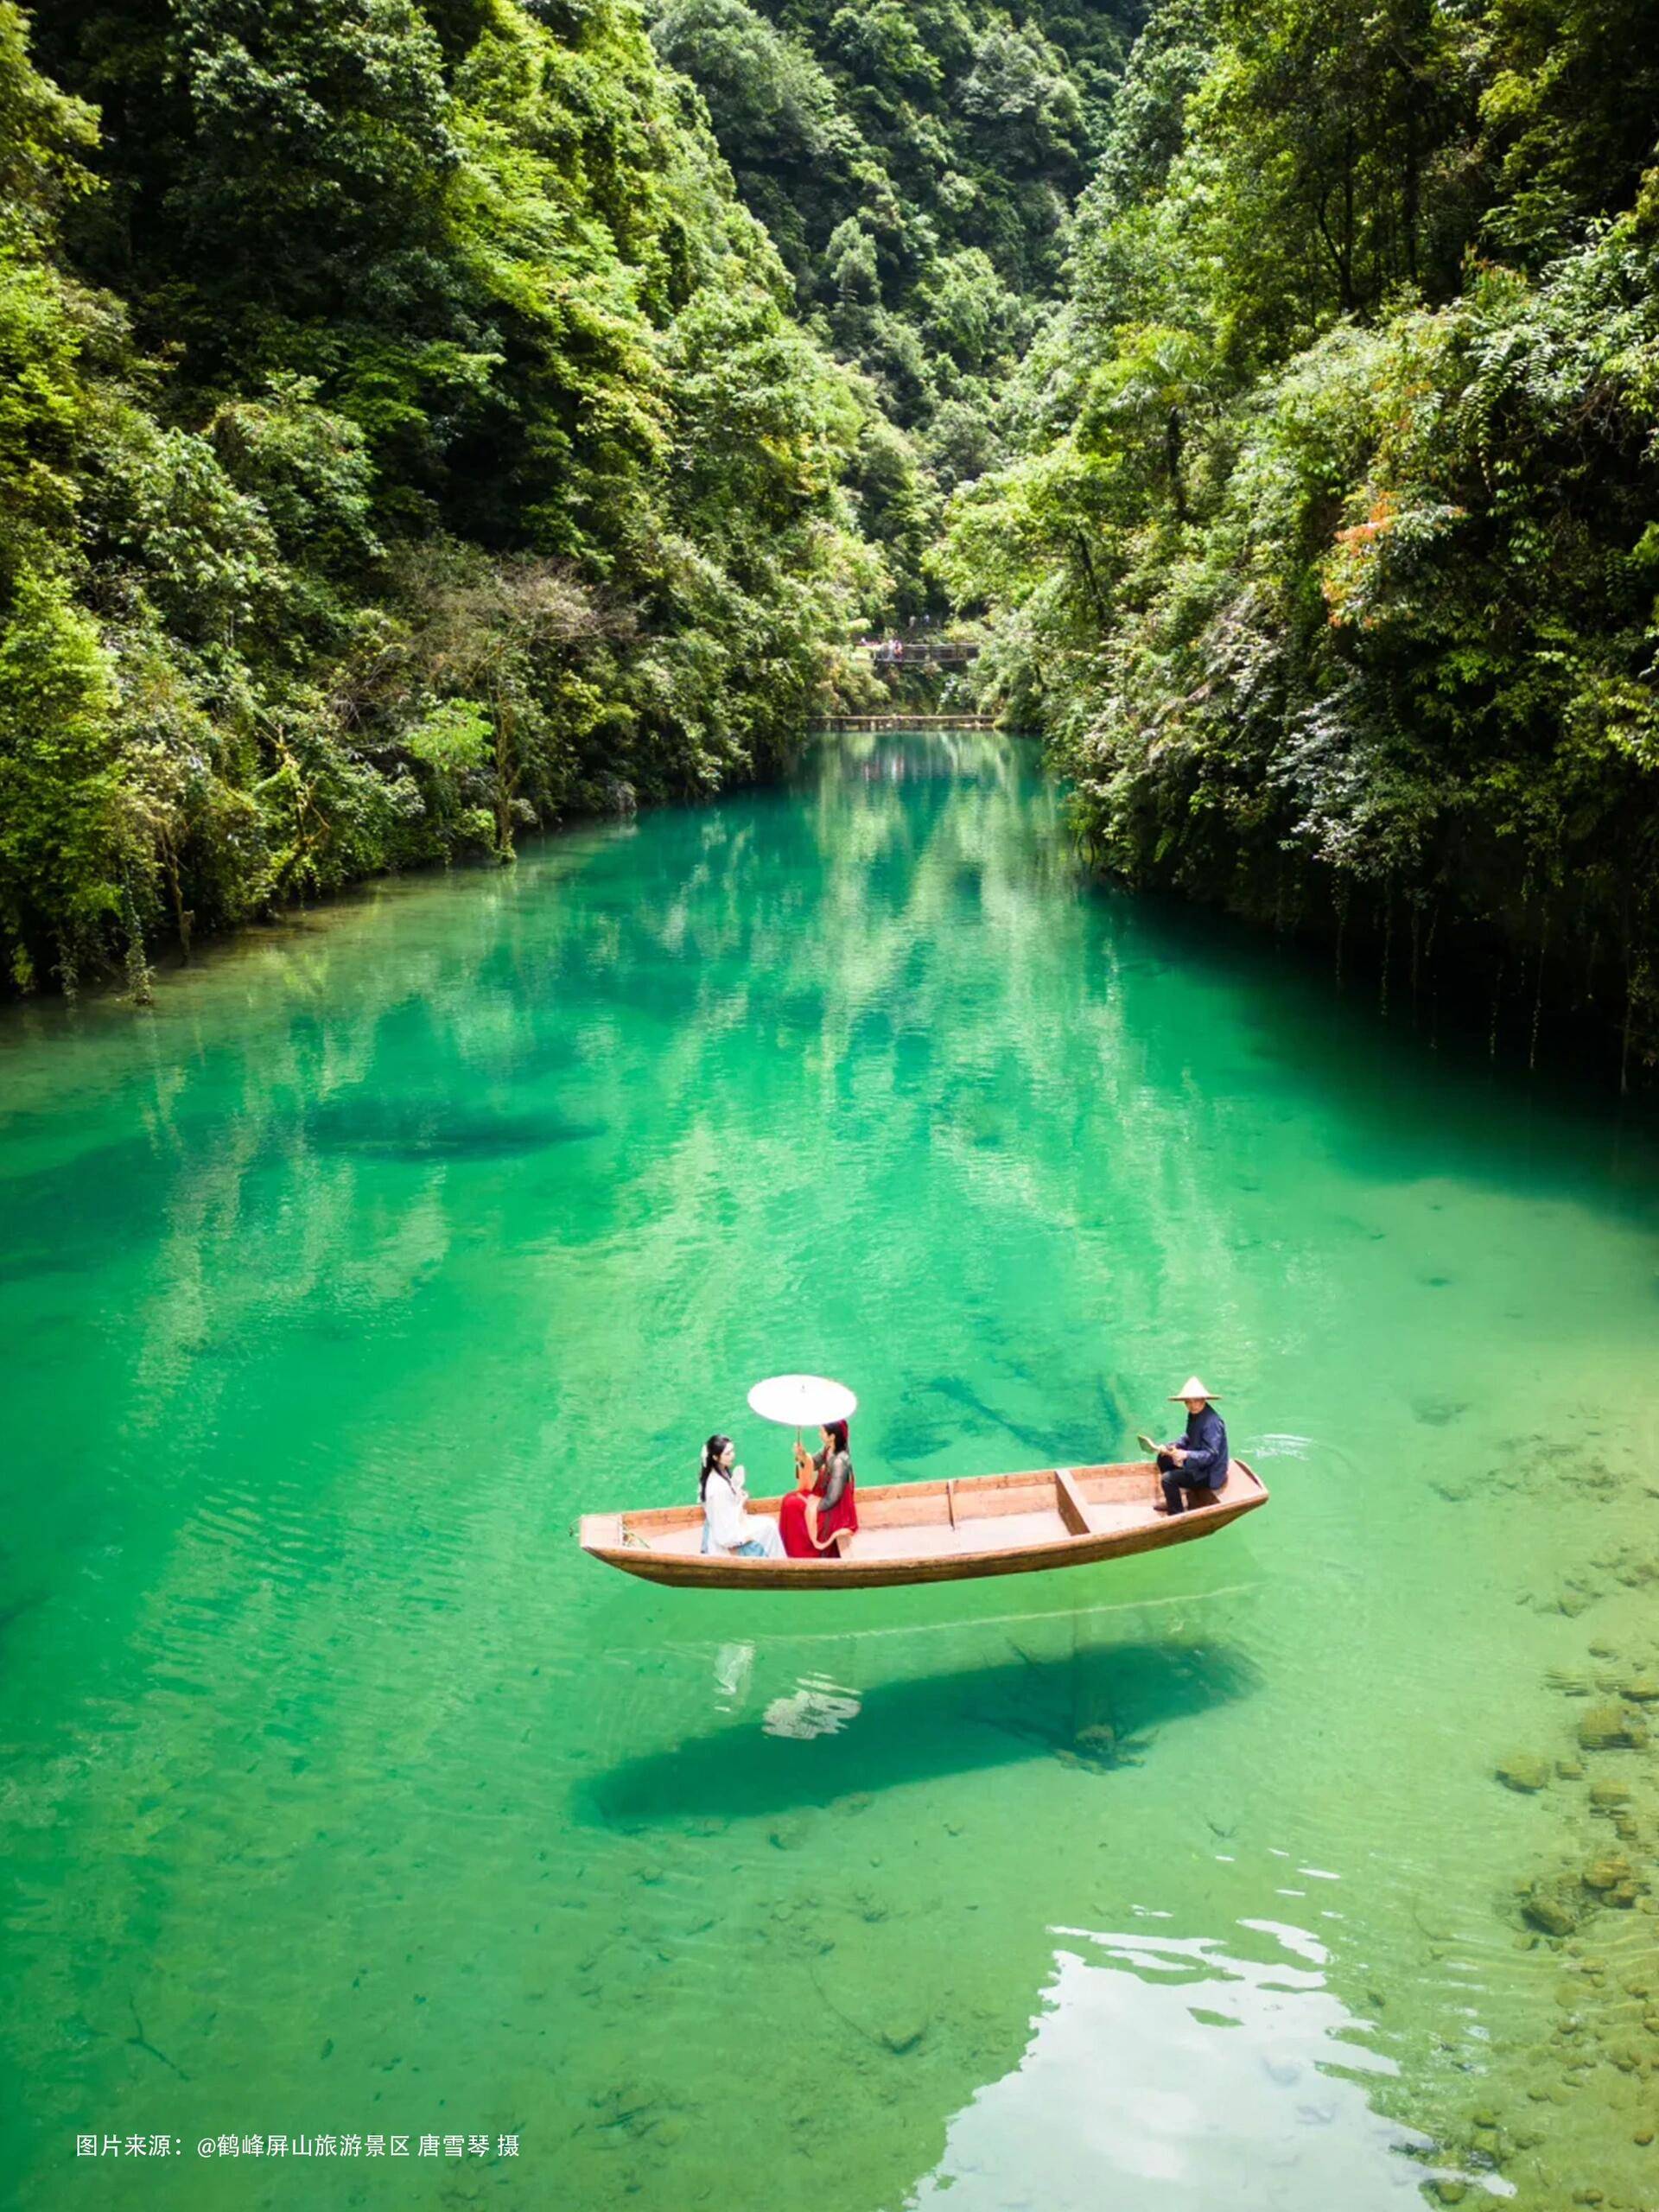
(824, 1505)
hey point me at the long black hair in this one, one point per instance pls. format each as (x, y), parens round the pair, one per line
(837, 1434)
(711, 1457)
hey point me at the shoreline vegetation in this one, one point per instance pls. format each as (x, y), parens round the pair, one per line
(1328, 555)
(408, 442)
(427, 422)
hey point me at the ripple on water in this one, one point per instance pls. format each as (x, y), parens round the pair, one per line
(1188, 2067)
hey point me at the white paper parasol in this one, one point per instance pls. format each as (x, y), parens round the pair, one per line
(802, 1401)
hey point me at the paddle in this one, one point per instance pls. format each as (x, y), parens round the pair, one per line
(1147, 1443)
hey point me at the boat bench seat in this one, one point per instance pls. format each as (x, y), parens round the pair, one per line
(1087, 1516)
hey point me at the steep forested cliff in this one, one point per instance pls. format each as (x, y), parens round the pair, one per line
(405, 435)
(1329, 550)
(915, 162)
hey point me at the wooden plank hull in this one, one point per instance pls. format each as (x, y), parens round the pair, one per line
(937, 1531)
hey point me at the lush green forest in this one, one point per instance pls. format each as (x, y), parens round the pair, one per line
(424, 420)
(1329, 552)
(406, 437)
(915, 161)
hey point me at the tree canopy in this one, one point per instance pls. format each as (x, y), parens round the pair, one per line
(406, 437)
(916, 165)
(1328, 546)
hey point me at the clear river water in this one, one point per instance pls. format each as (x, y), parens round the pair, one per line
(346, 1803)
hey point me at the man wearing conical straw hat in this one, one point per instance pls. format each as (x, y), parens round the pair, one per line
(1198, 1464)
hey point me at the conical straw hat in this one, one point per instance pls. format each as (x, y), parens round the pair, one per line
(1190, 1389)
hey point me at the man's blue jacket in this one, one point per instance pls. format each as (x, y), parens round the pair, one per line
(1205, 1443)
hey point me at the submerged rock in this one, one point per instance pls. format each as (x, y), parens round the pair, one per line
(1609, 1873)
(1522, 1771)
(1555, 1909)
(1640, 1689)
(1439, 1412)
(1608, 1728)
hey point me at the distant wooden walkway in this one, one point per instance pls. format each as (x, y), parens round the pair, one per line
(910, 722)
(920, 651)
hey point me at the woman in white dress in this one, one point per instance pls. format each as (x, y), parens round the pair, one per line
(727, 1524)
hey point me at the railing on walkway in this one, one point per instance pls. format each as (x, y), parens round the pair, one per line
(919, 652)
(909, 722)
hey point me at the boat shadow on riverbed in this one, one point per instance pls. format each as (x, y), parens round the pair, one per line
(1098, 1710)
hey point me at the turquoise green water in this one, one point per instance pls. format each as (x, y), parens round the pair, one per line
(344, 1797)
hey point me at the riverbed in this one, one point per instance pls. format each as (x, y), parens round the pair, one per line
(347, 1803)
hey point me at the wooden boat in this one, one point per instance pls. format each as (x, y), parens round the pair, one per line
(940, 1531)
